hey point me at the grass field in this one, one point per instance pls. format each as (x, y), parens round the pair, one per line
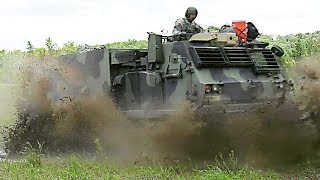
(74, 167)
(33, 164)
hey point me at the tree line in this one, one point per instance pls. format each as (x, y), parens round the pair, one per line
(295, 46)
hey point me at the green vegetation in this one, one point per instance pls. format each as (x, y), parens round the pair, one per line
(129, 44)
(51, 48)
(77, 168)
(295, 46)
(34, 166)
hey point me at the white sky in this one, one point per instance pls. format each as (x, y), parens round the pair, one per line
(105, 21)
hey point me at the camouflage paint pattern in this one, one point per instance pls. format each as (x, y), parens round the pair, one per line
(156, 80)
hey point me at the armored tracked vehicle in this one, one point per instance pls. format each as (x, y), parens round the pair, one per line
(218, 71)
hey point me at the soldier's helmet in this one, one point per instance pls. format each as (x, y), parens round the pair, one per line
(191, 10)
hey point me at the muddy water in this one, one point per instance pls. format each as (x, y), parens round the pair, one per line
(269, 136)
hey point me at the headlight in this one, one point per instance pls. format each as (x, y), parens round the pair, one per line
(212, 88)
(208, 88)
(215, 88)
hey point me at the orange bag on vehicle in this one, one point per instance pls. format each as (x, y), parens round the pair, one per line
(240, 28)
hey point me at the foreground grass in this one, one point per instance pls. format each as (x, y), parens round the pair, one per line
(34, 165)
(76, 168)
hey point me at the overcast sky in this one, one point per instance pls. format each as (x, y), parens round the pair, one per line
(105, 21)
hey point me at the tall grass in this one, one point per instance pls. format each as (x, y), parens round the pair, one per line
(76, 167)
(35, 166)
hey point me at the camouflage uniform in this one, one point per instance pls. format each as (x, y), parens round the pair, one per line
(183, 25)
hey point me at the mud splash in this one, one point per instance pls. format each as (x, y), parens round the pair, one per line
(50, 110)
(306, 75)
(67, 122)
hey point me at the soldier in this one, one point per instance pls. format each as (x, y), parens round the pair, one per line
(186, 25)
